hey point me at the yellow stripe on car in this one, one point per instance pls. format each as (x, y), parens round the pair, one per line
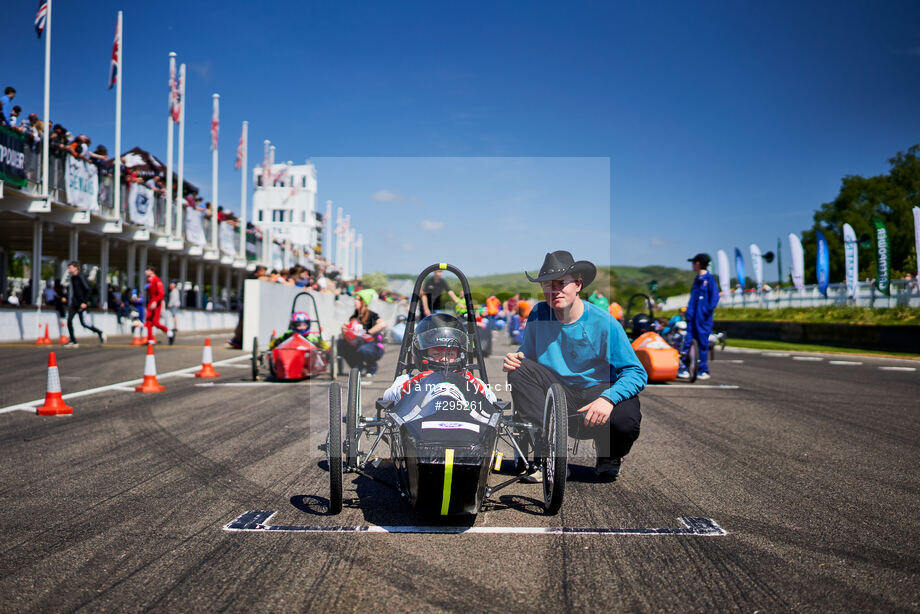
(448, 477)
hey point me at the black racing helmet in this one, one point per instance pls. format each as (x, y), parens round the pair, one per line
(642, 323)
(440, 343)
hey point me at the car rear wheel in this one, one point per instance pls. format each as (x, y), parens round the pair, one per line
(333, 360)
(334, 448)
(555, 457)
(353, 419)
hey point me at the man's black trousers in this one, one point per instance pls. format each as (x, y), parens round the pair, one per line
(529, 384)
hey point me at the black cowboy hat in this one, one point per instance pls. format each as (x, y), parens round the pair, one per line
(560, 263)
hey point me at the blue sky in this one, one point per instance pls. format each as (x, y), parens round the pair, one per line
(723, 123)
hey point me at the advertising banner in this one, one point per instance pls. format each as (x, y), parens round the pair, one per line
(141, 206)
(823, 266)
(851, 259)
(757, 263)
(194, 228)
(12, 157)
(916, 211)
(81, 179)
(225, 239)
(739, 268)
(725, 281)
(882, 257)
(798, 262)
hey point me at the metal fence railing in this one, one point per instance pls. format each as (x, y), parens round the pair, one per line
(902, 293)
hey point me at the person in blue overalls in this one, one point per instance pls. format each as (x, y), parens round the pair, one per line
(704, 296)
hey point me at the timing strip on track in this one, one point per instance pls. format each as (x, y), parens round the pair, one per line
(255, 520)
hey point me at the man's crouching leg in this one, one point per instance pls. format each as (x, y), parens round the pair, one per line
(618, 439)
(529, 384)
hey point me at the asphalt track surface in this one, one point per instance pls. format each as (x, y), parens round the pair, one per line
(809, 466)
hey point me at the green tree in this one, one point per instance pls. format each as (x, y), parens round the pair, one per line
(378, 281)
(890, 196)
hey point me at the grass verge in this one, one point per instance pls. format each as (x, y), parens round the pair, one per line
(756, 344)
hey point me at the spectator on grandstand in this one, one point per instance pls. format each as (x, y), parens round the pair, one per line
(58, 137)
(15, 123)
(6, 103)
(100, 155)
(34, 127)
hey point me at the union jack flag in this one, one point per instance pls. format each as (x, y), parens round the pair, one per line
(215, 125)
(173, 91)
(116, 50)
(40, 17)
(239, 152)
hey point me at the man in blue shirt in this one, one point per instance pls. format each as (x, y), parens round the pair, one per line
(581, 346)
(6, 104)
(704, 296)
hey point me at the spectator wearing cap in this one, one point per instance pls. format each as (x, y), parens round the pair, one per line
(14, 118)
(704, 296)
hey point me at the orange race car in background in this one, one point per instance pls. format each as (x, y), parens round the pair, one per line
(659, 358)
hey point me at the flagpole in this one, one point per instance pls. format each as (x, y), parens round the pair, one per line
(169, 144)
(243, 169)
(216, 99)
(180, 217)
(119, 77)
(46, 133)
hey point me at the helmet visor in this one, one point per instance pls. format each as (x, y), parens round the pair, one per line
(445, 336)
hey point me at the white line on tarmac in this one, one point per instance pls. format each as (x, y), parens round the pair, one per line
(809, 358)
(777, 354)
(844, 362)
(31, 405)
(716, 386)
(736, 361)
(286, 384)
(898, 368)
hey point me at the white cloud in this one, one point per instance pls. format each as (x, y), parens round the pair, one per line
(430, 225)
(385, 196)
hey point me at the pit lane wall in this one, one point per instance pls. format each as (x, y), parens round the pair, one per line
(866, 337)
(267, 308)
(26, 325)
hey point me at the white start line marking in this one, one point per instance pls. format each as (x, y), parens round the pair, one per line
(736, 361)
(809, 358)
(712, 386)
(777, 354)
(898, 368)
(851, 363)
(255, 521)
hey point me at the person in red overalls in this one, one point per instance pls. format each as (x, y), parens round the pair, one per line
(155, 295)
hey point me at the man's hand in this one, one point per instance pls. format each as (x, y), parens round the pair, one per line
(597, 412)
(153, 305)
(512, 361)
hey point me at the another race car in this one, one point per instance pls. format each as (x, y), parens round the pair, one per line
(301, 354)
(660, 358)
(444, 433)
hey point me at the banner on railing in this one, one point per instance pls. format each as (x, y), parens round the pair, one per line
(12, 157)
(81, 179)
(251, 254)
(757, 264)
(141, 209)
(798, 262)
(725, 281)
(225, 239)
(851, 259)
(917, 238)
(194, 228)
(882, 257)
(739, 267)
(823, 265)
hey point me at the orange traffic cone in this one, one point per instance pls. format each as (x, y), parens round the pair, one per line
(207, 368)
(137, 340)
(63, 338)
(150, 374)
(54, 401)
(46, 340)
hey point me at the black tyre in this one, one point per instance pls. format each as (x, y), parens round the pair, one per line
(333, 360)
(334, 448)
(693, 360)
(255, 358)
(353, 419)
(555, 456)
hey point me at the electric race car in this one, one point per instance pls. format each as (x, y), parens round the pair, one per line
(444, 432)
(301, 354)
(659, 357)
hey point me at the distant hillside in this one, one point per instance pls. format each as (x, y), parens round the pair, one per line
(621, 282)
